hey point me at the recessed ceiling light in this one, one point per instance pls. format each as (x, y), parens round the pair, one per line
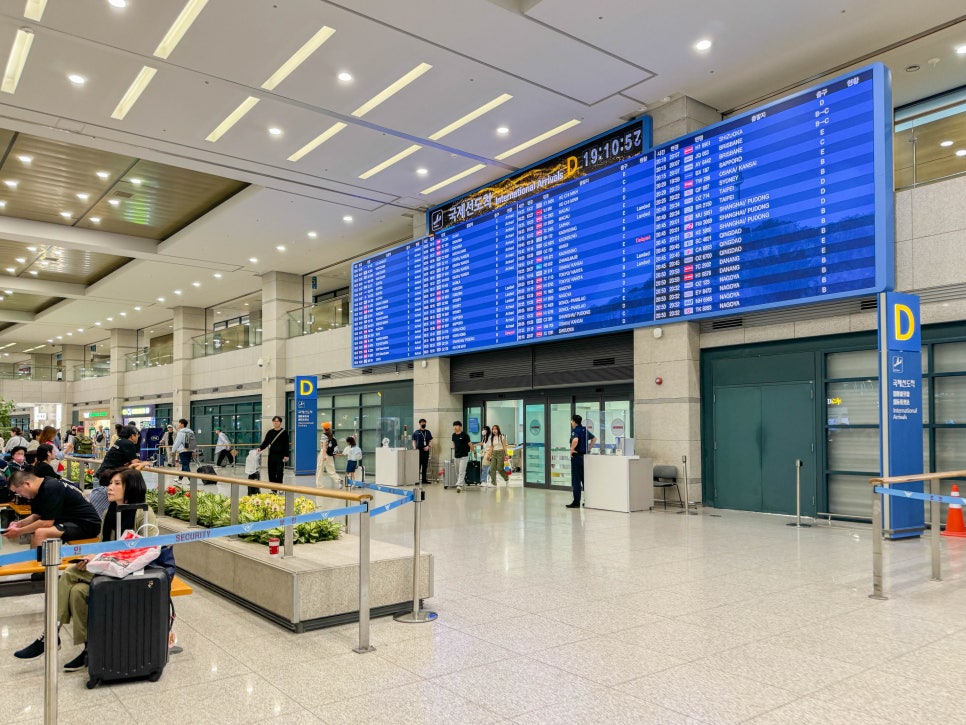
(318, 140)
(110, 319)
(25, 159)
(21, 260)
(31, 249)
(391, 89)
(35, 9)
(280, 247)
(179, 27)
(77, 79)
(51, 340)
(177, 292)
(347, 218)
(70, 334)
(95, 220)
(196, 284)
(3, 204)
(1, 298)
(102, 174)
(944, 144)
(961, 152)
(118, 3)
(11, 183)
(97, 324)
(232, 118)
(344, 76)
(275, 131)
(503, 130)
(298, 57)
(8, 291)
(313, 235)
(124, 314)
(60, 337)
(83, 197)
(961, 50)
(80, 329)
(454, 178)
(422, 172)
(133, 93)
(136, 182)
(11, 270)
(65, 214)
(471, 116)
(17, 59)
(217, 275)
(160, 299)
(408, 151)
(114, 202)
(137, 309)
(703, 44)
(537, 139)
(33, 272)
(253, 260)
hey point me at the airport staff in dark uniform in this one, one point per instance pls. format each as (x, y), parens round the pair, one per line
(581, 440)
(422, 440)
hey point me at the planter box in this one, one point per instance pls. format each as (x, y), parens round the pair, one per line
(318, 587)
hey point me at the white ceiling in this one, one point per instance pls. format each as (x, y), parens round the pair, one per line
(596, 62)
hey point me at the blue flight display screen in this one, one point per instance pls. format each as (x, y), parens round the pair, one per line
(787, 204)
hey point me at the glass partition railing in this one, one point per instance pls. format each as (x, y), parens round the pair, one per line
(236, 337)
(146, 359)
(322, 316)
(83, 372)
(930, 141)
(32, 372)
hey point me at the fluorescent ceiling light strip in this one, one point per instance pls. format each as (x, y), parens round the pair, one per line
(298, 58)
(318, 141)
(537, 139)
(391, 90)
(471, 116)
(35, 9)
(17, 60)
(233, 118)
(450, 180)
(134, 92)
(389, 162)
(179, 27)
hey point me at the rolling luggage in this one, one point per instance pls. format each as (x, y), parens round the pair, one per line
(210, 470)
(473, 469)
(127, 625)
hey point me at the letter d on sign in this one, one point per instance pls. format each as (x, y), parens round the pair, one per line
(904, 317)
(305, 387)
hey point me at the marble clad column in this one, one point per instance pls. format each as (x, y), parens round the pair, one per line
(71, 357)
(667, 415)
(681, 116)
(189, 322)
(433, 401)
(281, 293)
(123, 342)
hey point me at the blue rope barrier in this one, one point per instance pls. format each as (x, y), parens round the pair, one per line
(387, 489)
(184, 537)
(407, 497)
(887, 491)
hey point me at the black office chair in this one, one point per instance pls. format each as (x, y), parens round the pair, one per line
(665, 476)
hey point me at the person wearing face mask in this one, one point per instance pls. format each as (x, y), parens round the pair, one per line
(422, 442)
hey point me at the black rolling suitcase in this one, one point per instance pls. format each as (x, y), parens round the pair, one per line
(210, 470)
(252, 491)
(473, 469)
(127, 627)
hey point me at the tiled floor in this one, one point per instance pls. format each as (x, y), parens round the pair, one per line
(550, 615)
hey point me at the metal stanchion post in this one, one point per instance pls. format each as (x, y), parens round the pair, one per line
(161, 486)
(687, 492)
(798, 496)
(417, 615)
(235, 497)
(289, 543)
(50, 558)
(934, 521)
(193, 503)
(364, 645)
(877, 546)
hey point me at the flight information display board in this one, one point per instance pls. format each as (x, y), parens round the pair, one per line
(788, 204)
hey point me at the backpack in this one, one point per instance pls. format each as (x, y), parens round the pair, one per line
(331, 446)
(83, 445)
(100, 438)
(189, 440)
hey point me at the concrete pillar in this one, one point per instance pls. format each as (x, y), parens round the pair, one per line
(189, 322)
(667, 414)
(681, 116)
(71, 356)
(433, 401)
(281, 293)
(123, 342)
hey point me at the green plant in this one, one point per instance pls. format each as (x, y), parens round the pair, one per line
(6, 408)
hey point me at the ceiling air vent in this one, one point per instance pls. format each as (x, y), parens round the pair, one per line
(729, 324)
(325, 376)
(122, 195)
(367, 371)
(476, 374)
(601, 361)
(869, 304)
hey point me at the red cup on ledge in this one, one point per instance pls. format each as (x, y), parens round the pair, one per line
(273, 546)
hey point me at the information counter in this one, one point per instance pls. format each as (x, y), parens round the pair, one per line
(618, 483)
(397, 466)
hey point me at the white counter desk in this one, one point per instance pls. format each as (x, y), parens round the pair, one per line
(618, 483)
(397, 466)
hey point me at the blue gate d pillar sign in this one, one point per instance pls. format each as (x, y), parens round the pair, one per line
(306, 417)
(900, 409)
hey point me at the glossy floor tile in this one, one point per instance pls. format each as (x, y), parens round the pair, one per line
(552, 615)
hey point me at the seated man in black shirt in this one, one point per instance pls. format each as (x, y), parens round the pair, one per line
(59, 511)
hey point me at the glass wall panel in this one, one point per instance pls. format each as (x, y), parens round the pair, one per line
(849, 495)
(853, 403)
(853, 449)
(855, 364)
(949, 357)
(950, 449)
(950, 400)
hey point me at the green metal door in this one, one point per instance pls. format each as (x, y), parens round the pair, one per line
(788, 430)
(737, 447)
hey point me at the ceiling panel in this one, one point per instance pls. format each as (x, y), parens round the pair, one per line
(20, 302)
(58, 264)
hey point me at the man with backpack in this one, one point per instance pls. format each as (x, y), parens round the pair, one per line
(184, 447)
(83, 444)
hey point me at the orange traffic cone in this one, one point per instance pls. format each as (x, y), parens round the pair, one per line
(954, 517)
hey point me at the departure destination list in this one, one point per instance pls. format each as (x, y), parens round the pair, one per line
(774, 207)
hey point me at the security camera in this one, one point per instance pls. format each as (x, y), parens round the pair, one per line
(261, 363)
